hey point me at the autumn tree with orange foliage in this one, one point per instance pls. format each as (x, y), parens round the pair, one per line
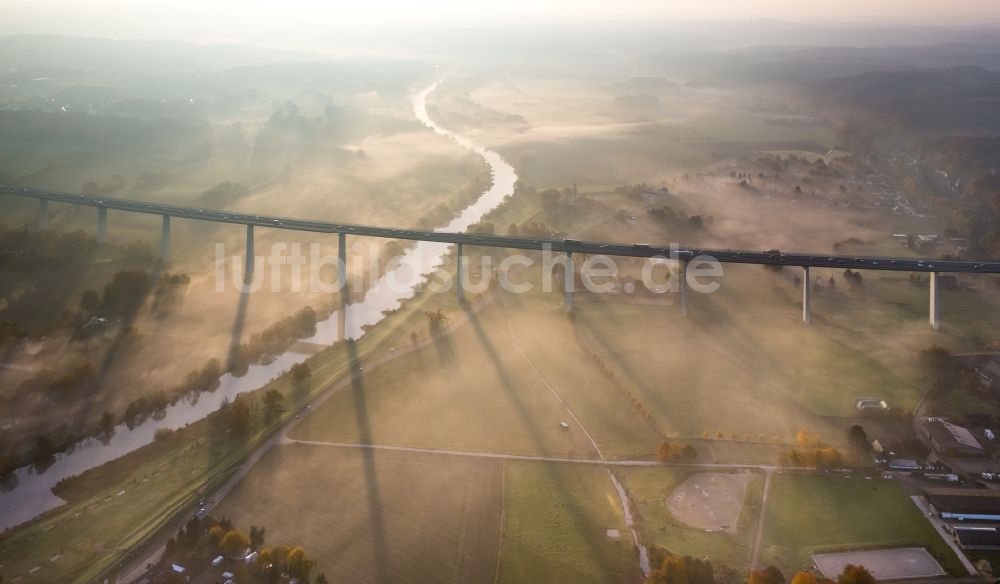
(769, 575)
(811, 451)
(682, 570)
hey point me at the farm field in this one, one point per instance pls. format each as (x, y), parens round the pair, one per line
(816, 513)
(377, 516)
(556, 518)
(437, 518)
(578, 132)
(475, 390)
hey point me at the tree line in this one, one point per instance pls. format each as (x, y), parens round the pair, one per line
(79, 380)
(203, 539)
(674, 569)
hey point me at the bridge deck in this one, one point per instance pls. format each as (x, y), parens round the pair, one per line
(558, 245)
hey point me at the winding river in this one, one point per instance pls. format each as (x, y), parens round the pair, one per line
(33, 495)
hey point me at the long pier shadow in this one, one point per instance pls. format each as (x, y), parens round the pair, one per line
(239, 323)
(445, 351)
(591, 533)
(584, 327)
(381, 559)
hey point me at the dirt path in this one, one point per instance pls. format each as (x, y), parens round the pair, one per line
(513, 338)
(759, 536)
(503, 516)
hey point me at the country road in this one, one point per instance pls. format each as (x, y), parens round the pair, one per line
(593, 461)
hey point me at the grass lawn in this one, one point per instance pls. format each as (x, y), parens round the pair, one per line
(750, 372)
(755, 375)
(476, 390)
(811, 513)
(991, 556)
(555, 522)
(377, 516)
(649, 488)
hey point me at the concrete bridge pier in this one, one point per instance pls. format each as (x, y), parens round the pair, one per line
(458, 274)
(102, 225)
(248, 264)
(806, 296)
(165, 241)
(935, 306)
(568, 281)
(342, 285)
(43, 213)
(682, 274)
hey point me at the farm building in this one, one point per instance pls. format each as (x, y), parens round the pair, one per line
(904, 464)
(977, 537)
(951, 440)
(965, 504)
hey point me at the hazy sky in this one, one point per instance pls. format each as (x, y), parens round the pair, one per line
(251, 19)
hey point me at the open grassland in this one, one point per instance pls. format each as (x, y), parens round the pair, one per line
(378, 516)
(649, 489)
(555, 521)
(746, 346)
(750, 374)
(485, 389)
(633, 370)
(562, 132)
(812, 513)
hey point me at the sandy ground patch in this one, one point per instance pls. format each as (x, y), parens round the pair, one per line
(711, 500)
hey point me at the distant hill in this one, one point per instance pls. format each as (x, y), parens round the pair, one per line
(770, 64)
(936, 101)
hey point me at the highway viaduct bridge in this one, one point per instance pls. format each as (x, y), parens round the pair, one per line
(566, 246)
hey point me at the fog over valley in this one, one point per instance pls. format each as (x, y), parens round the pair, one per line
(511, 293)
